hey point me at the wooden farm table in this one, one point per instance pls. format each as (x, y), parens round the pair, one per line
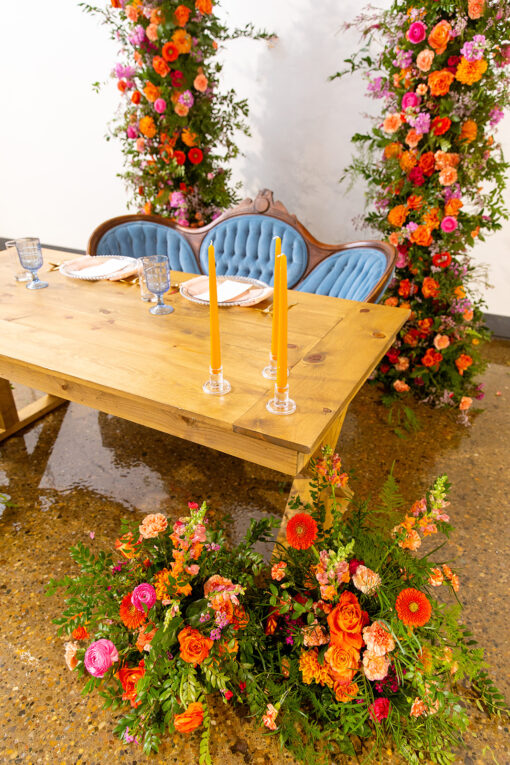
(95, 343)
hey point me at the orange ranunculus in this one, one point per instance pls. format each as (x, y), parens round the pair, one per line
(80, 633)
(151, 92)
(194, 646)
(431, 218)
(132, 12)
(427, 163)
(469, 72)
(468, 131)
(204, 6)
(393, 238)
(439, 82)
(182, 41)
(346, 621)
(453, 206)
(393, 150)
(422, 236)
(191, 719)
(413, 138)
(129, 677)
(160, 66)
(430, 288)
(439, 36)
(343, 660)
(407, 161)
(447, 176)
(463, 362)
(392, 123)
(201, 83)
(414, 202)
(476, 8)
(397, 215)
(181, 15)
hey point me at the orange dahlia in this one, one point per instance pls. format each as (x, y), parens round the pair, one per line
(413, 608)
(301, 531)
(131, 617)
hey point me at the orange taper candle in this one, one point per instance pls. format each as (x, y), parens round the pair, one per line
(281, 369)
(213, 314)
(276, 296)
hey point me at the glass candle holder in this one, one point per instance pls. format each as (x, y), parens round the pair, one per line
(269, 371)
(281, 403)
(216, 385)
(20, 275)
(30, 257)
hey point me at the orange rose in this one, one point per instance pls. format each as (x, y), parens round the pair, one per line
(346, 620)
(151, 92)
(397, 215)
(201, 83)
(430, 288)
(439, 36)
(400, 386)
(468, 131)
(414, 202)
(452, 207)
(204, 6)
(181, 15)
(129, 677)
(427, 163)
(393, 150)
(421, 236)
(413, 138)
(342, 660)
(447, 176)
(439, 82)
(476, 8)
(182, 41)
(345, 691)
(194, 646)
(469, 72)
(191, 719)
(160, 66)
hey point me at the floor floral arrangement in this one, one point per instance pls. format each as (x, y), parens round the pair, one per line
(339, 644)
(435, 175)
(176, 127)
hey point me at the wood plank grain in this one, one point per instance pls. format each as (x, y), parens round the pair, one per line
(8, 412)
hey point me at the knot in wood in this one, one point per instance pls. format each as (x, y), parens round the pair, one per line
(378, 334)
(314, 358)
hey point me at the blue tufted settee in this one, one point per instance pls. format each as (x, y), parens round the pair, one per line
(242, 238)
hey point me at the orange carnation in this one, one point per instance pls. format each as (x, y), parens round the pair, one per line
(453, 206)
(447, 176)
(439, 36)
(182, 41)
(343, 661)
(439, 82)
(413, 607)
(204, 6)
(181, 15)
(393, 150)
(151, 92)
(346, 621)
(194, 646)
(469, 72)
(431, 218)
(413, 138)
(468, 131)
(421, 236)
(407, 161)
(397, 215)
(191, 719)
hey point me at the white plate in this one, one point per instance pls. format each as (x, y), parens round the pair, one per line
(93, 268)
(256, 291)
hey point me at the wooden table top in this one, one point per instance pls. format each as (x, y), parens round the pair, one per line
(96, 343)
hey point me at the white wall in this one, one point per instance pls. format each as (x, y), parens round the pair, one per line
(59, 174)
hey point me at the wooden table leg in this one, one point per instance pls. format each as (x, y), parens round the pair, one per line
(301, 483)
(12, 420)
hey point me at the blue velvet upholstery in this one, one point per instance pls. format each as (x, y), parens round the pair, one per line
(351, 274)
(243, 247)
(138, 238)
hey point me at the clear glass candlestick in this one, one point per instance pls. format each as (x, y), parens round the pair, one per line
(216, 385)
(281, 403)
(269, 372)
(31, 258)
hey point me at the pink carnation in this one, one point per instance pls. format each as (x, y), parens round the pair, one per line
(375, 667)
(379, 641)
(100, 656)
(379, 709)
(416, 32)
(143, 597)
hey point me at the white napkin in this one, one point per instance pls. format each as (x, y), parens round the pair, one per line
(106, 268)
(227, 290)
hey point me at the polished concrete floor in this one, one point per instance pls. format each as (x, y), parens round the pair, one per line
(79, 471)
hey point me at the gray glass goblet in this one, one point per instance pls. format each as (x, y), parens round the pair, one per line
(30, 257)
(157, 277)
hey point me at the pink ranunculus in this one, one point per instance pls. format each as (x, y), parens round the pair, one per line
(143, 597)
(132, 131)
(410, 100)
(160, 105)
(449, 224)
(416, 32)
(379, 709)
(100, 656)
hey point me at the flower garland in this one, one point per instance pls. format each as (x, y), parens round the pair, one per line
(436, 175)
(175, 127)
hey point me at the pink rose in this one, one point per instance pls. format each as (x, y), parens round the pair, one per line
(143, 597)
(100, 656)
(424, 59)
(441, 342)
(379, 709)
(416, 32)
(160, 105)
(410, 100)
(449, 224)
(132, 131)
